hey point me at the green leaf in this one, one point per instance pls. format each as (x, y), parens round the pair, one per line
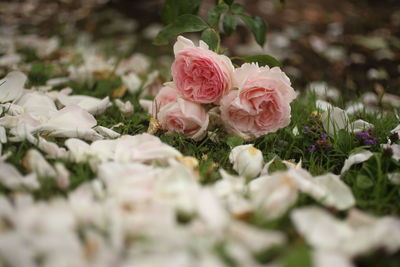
(175, 8)
(262, 60)
(211, 37)
(233, 141)
(363, 181)
(215, 14)
(257, 27)
(228, 2)
(238, 9)
(298, 256)
(184, 23)
(229, 24)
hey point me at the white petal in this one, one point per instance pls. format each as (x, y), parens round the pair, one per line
(265, 169)
(395, 149)
(38, 105)
(91, 104)
(211, 210)
(331, 259)
(11, 87)
(71, 121)
(273, 195)
(143, 147)
(3, 136)
(354, 108)
(57, 81)
(12, 179)
(337, 194)
(106, 132)
(396, 130)
(35, 162)
(77, 149)
(320, 229)
(181, 44)
(52, 149)
(360, 125)
(132, 82)
(125, 108)
(323, 105)
(62, 177)
(295, 131)
(334, 120)
(356, 158)
(255, 239)
(147, 105)
(394, 177)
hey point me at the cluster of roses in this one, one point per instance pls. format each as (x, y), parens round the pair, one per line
(250, 101)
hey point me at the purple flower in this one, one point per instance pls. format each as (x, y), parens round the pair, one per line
(324, 136)
(363, 135)
(306, 129)
(312, 148)
(371, 141)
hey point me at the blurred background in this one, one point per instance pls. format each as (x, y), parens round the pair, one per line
(352, 45)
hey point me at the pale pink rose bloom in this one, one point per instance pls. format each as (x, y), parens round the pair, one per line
(185, 117)
(261, 104)
(167, 94)
(200, 74)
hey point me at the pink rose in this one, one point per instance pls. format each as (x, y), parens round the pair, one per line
(167, 94)
(261, 104)
(200, 74)
(185, 117)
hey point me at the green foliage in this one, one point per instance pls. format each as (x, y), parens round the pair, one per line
(211, 37)
(215, 14)
(257, 27)
(182, 24)
(262, 60)
(229, 24)
(233, 141)
(298, 256)
(175, 8)
(228, 2)
(39, 73)
(180, 17)
(364, 182)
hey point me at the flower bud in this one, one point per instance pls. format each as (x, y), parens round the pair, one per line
(247, 160)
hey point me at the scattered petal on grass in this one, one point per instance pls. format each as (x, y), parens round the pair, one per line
(105, 132)
(147, 105)
(265, 169)
(323, 258)
(3, 136)
(11, 178)
(323, 105)
(71, 121)
(132, 82)
(394, 150)
(255, 239)
(35, 162)
(337, 193)
(62, 176)
(125, 108)
(334, 120)
(394, 177)
(360, 125)
(11, 87)
(92, 105)
(326, 233)
(356, 158)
